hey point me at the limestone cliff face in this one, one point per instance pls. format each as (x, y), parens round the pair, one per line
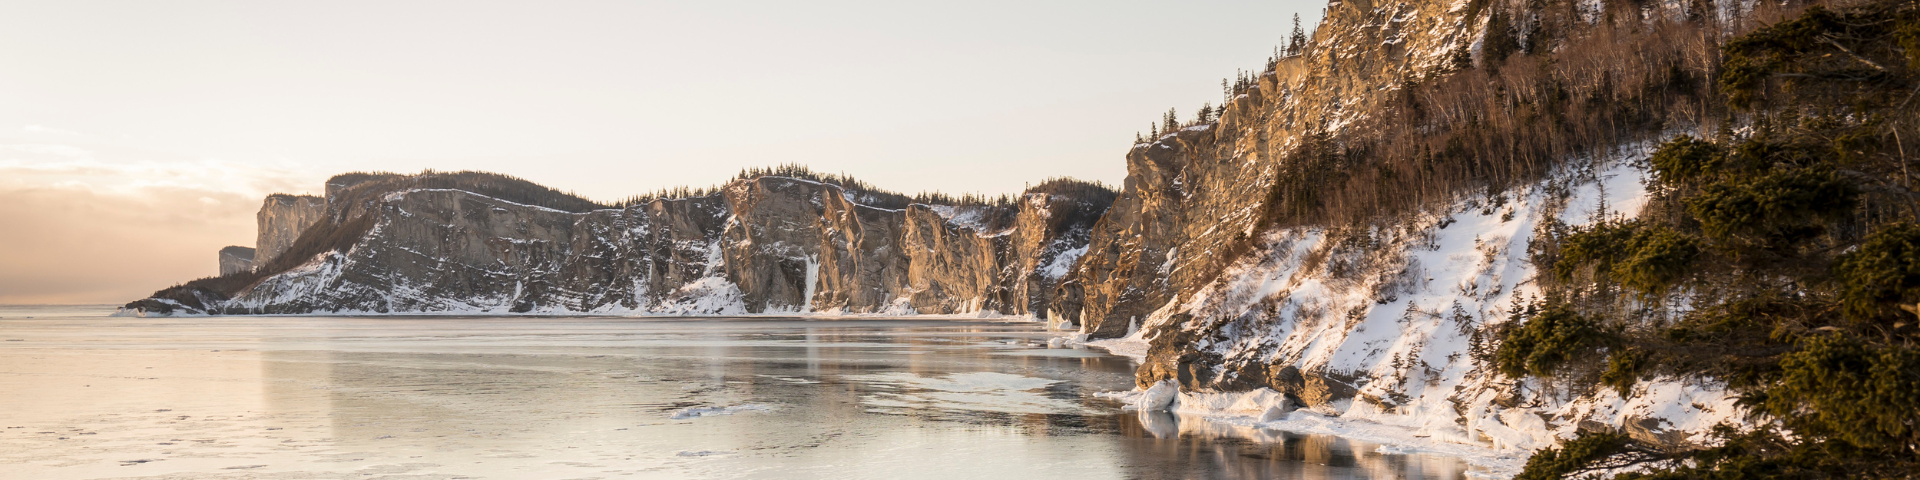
(282, 219)
(765, 244)
(235, 260)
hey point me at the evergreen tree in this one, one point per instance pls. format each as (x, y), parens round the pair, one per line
(1500, 42)
(1698, 10)
(1297, 44)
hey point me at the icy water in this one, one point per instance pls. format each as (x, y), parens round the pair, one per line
(87, 396)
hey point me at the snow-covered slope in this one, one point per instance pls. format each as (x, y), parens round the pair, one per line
(1390, 327)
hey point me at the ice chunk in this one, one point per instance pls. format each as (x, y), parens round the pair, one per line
(1273, 414)
(697, 412)
(1159, 397)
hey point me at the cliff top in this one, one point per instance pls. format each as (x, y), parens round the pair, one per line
(348, 189)
(866, 194)
(238, 252)
(289, 197)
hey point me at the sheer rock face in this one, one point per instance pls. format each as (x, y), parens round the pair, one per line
(1191, 193)
(449, 250)
(235, 259)
(766, 244)
(282, 219)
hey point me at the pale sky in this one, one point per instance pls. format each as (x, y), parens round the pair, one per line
(137, 138)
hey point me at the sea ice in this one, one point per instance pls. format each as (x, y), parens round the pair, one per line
(697, 412)
(972, 391)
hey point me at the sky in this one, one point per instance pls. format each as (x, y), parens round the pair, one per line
(137, 138)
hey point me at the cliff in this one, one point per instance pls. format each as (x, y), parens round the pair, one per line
(282, 219)
(1195, 192)
(235, 260)
(1371, 227)
(1356, 225)
(757, 245)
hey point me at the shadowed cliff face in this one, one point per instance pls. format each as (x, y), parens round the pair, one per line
(766, 244)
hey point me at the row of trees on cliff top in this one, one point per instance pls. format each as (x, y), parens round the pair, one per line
(1296, 45)
(867, 194)
(522, 191)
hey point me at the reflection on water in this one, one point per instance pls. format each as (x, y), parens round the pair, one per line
(83, 396)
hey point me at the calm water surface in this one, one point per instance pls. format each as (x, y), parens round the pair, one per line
(86, 396)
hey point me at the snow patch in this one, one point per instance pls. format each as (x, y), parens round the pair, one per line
(1063, 263)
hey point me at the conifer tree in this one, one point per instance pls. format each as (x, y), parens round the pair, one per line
(1499, 41)
(1698, 10)
(1297, 44)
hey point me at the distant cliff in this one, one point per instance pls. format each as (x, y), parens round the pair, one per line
(236, 259)
(282, 218)
(461, 242)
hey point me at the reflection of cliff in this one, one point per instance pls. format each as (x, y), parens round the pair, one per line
(1220, 450)
(391, 244)
(613, 390)
(298, 390)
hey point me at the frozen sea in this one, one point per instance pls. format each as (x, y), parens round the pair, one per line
(86, 396)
